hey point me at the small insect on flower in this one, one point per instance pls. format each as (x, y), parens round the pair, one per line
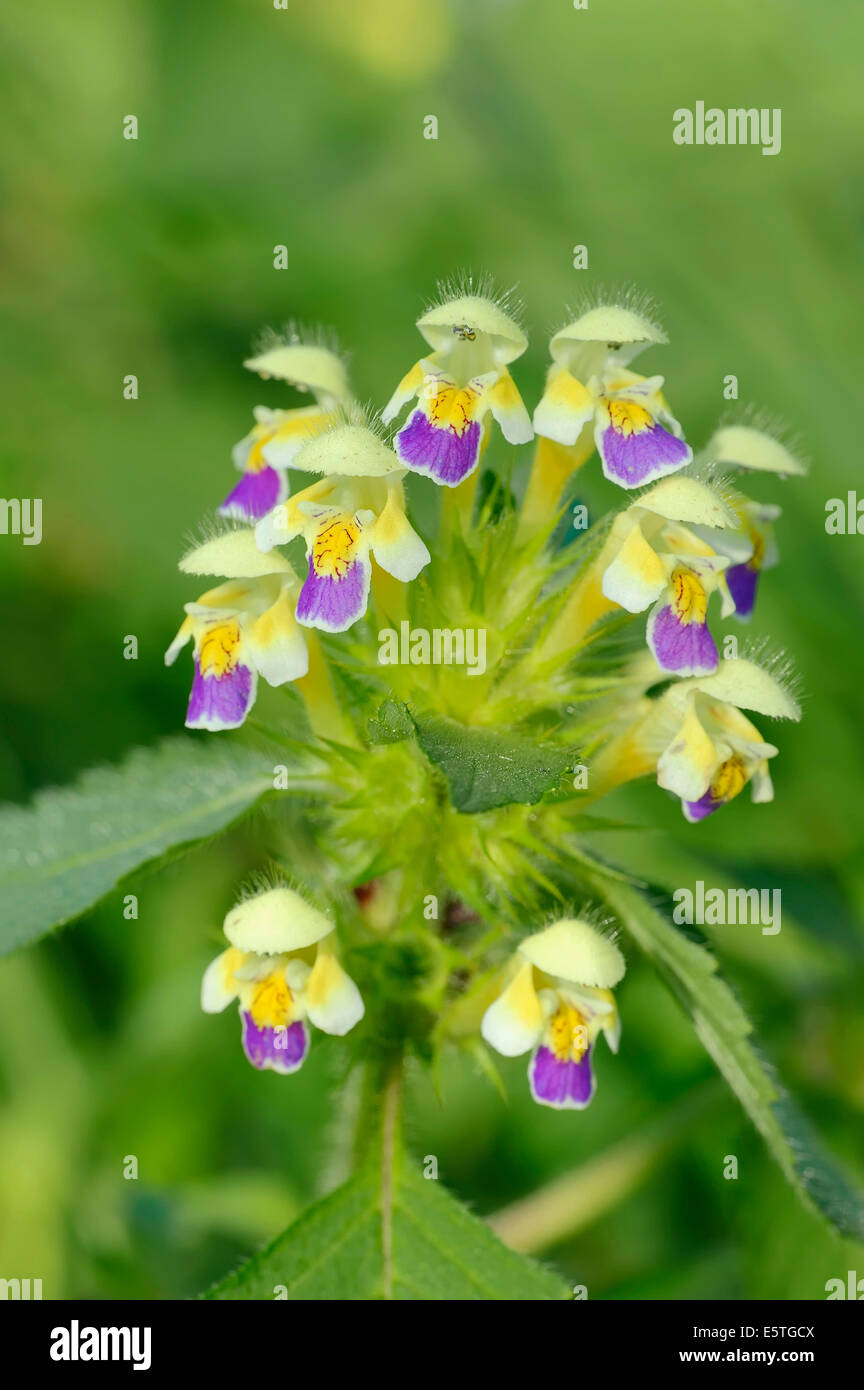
(588, 388)
(355, 511)
(558, 999)
(268, 449)
(281, 967)
(241, 629)
(465, 378)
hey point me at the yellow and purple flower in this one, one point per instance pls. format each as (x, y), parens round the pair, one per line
(588, 388)
(241, 629)
(749, 549)
(715, 750)
(753, 446)
(556, 1003)
(653, 558)
(281, 967)
(356, 511)
(462, 381)
(277, 435)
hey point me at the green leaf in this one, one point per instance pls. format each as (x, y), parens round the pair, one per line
(410, 1241)
(485, 769)
(391, 723)
(724, 1031)
(64, 852)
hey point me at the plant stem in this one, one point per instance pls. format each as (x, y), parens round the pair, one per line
(377, 1141)
(391, 1107)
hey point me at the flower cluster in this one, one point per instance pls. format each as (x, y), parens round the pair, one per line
(398, 816)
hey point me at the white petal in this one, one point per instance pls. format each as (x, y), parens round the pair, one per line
(514, 1023)
(691, 759)
(394, 542)
(276, 642)
(332, 999)
(218, 986)
(636, 577)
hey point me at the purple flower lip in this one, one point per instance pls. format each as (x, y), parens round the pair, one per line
(443, 454)
(275, 1049)
(220, 702)
(638, 458)
(565, 1085)
(742, 581)
(334, 603)
(257, 493)
(705, 806)
(684, 649)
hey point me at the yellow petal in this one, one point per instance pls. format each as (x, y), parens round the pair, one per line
(514, 1023)
(313, 367)
(234, 555)
(573, 949)
(742, 446)
(606, 323)
(473, 314)
(275, 921)
(687, 765)
(348, 450)
(332, 999)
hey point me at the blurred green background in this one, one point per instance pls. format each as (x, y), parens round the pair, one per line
(304, 127)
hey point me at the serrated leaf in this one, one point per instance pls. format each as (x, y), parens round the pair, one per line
(724, 1031)
(66, 850)
(415, 1241)
(391, 723)
(485, 769)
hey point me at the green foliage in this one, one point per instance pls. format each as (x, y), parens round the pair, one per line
(724, 1031)
(390, 724)
(63, 853)
(407, 1240)
(483, 769)
(167, 242)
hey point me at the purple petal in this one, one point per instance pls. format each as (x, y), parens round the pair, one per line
(220, 702)
(637, 458)
(257, 492)
(705, 806)
(742, 581)
(275, 1049)
(565, 1085)
(685, 649)
(446, 455)
(334, 603)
